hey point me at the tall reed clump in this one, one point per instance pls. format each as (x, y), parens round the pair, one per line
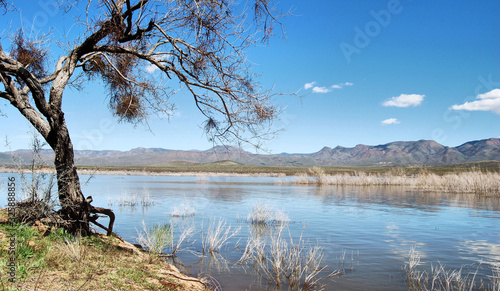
(440, 278)
(317, 176)
(474, 181)
(281, 260)
(183, 210)
(267, 215)
(132, 200)
(217, 234)
(155, 238)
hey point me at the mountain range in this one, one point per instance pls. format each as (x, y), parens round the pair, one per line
(399, 153)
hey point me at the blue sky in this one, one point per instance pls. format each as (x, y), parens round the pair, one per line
(369, 72)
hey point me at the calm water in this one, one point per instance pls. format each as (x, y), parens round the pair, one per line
(370, 230)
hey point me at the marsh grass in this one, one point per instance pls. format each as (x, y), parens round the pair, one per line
(155, 238)
(344, 265)
(183, 210)
(217, 235)
(495, 277)
(440, 278)
(267, 215)
(132, 200)
(188, 230)
(317, 176)
(281, 260)
(474, 181)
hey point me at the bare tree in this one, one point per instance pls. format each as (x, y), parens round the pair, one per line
(200, 43)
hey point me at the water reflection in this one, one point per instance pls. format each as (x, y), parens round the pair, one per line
(480, 251)
(402, 197)
(401, 246)
(381, 223)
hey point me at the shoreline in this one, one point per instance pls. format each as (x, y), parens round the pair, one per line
(97, 261)
(126, 172)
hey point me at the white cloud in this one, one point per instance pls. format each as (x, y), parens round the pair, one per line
(341, 85)
(405, 100)
(489, 101)
(390, 121)
(309, 85)
(321, 90)
(151, 68)
(317, 89)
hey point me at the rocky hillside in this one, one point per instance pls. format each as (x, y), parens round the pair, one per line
(400, 153)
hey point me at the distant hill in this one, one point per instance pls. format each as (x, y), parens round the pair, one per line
(400, 153)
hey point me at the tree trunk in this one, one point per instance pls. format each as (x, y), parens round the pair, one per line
(74, 208)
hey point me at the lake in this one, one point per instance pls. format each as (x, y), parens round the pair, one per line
(364, 232)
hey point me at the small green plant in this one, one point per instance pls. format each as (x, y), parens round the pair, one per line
(155, 238)
(59, 234)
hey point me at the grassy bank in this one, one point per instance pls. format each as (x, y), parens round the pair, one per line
(54, 260)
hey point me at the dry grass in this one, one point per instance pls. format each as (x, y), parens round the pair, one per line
(281, 260)
(187, 232)
(73, 248)
(317, 176)
(267, 214)
(183, 210)
(127, 199)
(60, 262)
(477, 182)
(217, 235)
(439, 278)
(473, 181)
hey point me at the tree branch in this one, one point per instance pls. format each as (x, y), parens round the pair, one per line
(21, 102)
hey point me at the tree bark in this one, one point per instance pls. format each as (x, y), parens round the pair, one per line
(74, 208)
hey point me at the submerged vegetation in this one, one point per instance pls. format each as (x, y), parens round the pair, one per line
(282, 260)
(266, 215)
(132, 200)
(217, 235)
(183, 210)
(440, 278)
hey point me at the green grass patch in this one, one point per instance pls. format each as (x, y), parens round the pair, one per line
(59, 261)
